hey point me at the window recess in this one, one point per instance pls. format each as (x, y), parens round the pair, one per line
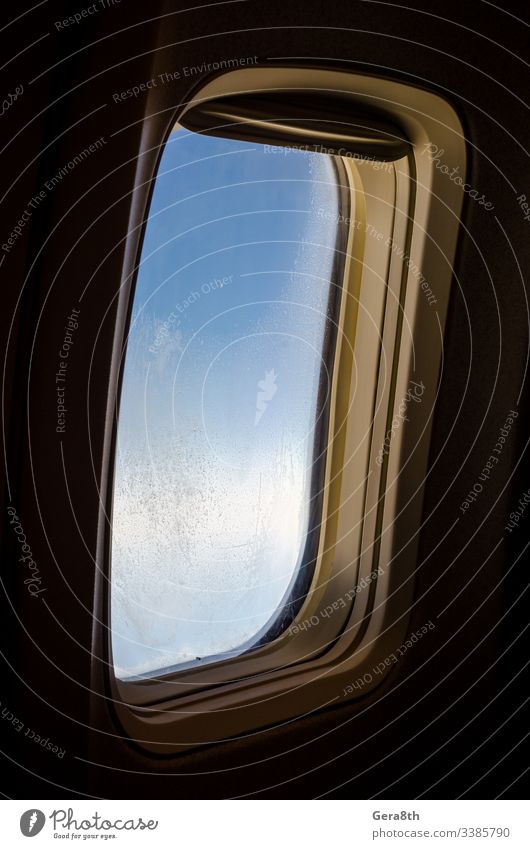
(377, 272)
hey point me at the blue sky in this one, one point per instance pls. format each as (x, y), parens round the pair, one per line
(218, 405)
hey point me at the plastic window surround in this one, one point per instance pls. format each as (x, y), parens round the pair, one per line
(310, 668)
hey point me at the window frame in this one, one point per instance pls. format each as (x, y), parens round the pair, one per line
(224, 700)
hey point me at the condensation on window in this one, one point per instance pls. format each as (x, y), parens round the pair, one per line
(218, 411)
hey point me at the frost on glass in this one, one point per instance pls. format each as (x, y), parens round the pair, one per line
(218, 410)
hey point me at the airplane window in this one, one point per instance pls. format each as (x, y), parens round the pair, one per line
(225, 381)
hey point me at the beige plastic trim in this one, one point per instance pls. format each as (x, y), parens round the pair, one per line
(305, 671)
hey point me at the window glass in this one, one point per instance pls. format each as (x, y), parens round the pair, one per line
(224, 379)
